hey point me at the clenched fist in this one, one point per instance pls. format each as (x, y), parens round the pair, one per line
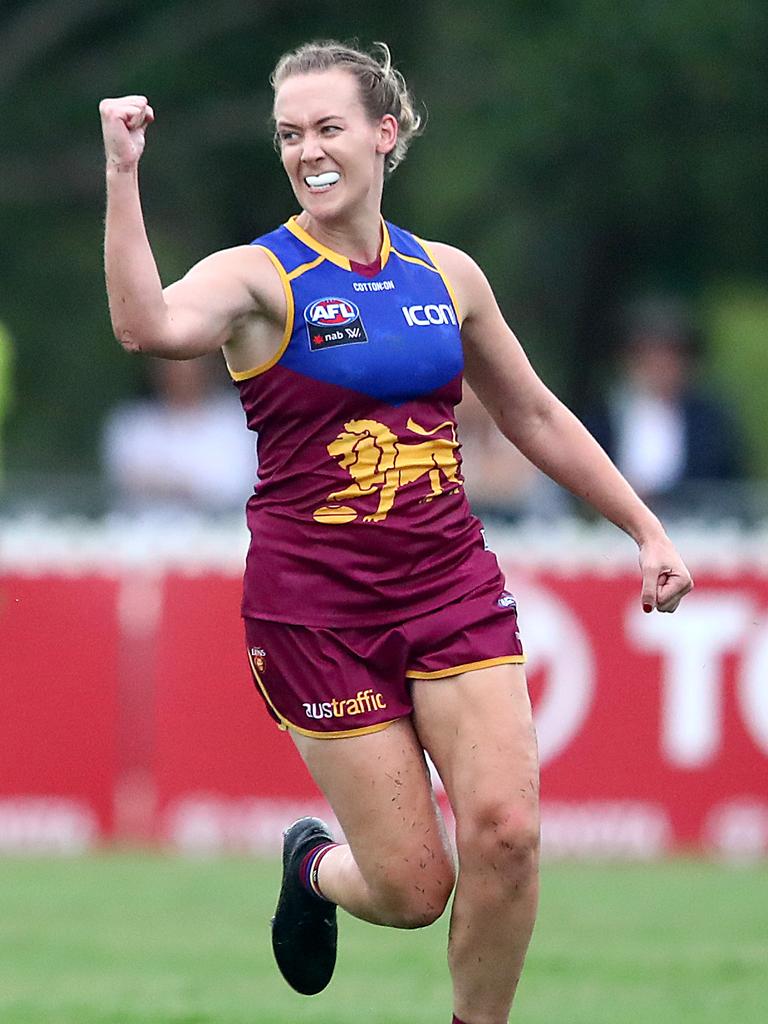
(123, 123)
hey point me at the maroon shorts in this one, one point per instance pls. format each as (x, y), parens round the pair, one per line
(343, 682)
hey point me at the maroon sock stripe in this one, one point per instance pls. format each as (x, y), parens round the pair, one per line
(310, 864)
(315, 867)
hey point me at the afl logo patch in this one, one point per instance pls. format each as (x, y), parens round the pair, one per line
(332, 312)
(331, 322)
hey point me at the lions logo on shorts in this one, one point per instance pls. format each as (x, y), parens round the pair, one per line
(259, 655)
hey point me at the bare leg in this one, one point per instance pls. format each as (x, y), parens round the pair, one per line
(396, 868)
(478, 730)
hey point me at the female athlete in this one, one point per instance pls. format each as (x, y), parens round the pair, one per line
(378, 624)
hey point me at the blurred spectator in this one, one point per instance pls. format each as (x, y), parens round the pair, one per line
(499, 481)
(659, 427)
(6, 391)
(184, 450)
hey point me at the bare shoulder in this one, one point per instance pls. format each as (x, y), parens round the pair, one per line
(452, 260)
(491, 350)
(495, 364)
(232, 298)
(465, 276)
(243, 268)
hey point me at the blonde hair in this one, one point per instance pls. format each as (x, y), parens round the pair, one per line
(382, 88)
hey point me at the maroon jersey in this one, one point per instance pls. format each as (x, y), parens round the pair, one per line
(359, 515)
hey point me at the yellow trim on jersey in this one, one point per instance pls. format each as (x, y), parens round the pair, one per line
(415, 259)
(305, 267)
(386, 243)
(335, 257)
(283, 722)
(287, 330)
(303, 236)
(457, 670)
(440, 271)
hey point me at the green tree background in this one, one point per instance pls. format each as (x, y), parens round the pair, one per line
(583, 151)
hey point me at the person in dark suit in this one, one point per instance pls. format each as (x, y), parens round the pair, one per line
(663, 431)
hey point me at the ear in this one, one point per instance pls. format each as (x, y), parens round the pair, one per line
(388, 129)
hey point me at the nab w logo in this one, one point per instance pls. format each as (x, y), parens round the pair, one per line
(423, 316)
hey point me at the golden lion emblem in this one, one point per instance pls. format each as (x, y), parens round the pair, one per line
(380, 463)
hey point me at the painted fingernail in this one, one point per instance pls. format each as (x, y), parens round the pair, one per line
(647, 608)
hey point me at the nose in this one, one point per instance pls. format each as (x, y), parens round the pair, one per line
(311, 150)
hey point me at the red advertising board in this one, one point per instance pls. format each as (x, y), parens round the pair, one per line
(226, 776)
(59, 671)
(653, 729)
(127, 709)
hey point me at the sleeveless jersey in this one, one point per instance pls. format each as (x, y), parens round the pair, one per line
(359, 515)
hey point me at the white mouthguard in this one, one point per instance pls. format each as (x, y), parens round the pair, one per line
(319, 180)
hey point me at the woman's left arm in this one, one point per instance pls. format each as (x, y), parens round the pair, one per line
(548, 433)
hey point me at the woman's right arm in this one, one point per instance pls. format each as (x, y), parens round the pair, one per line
(193, 316)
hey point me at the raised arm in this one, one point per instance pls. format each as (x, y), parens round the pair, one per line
(548, 434)
(191, 317)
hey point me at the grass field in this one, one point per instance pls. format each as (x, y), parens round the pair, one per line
(128, 939)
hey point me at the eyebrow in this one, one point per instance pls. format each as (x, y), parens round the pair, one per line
(321, 120)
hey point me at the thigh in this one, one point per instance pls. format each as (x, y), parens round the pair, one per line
(379, 788)
(478, 729)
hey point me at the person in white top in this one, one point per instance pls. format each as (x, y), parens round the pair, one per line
(183, 451)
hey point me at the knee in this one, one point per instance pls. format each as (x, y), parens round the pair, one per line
(414, 897)
(502, 839)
